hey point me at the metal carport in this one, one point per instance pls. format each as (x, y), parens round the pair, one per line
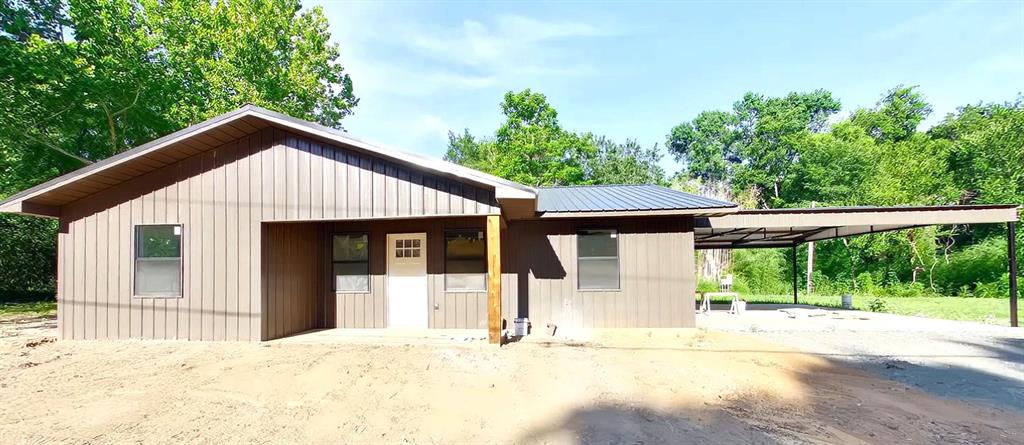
(776, 228)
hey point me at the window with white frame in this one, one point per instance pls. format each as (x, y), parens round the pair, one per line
(598, 259)
(351, 258)
(158, 260)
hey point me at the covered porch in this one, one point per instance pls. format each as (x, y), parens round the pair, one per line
(406, 274)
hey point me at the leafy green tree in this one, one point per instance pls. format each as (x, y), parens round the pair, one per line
(833, 168)
(531, 147)
(707, 146)
(86, 79)
(756, 145)
(986, 156)
(896, 116)
(625, 163)
(81, 80)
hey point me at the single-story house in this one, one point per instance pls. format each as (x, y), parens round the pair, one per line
(254, 225)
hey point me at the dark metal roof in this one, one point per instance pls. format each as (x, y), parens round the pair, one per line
(619, 198)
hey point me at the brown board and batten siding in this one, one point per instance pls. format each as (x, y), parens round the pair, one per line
(220, 197)
(656, 266)
(292, 265)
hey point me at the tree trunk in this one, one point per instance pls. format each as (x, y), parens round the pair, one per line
(713, 263)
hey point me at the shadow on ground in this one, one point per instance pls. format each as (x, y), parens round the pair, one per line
(833, 403)
(969, 383)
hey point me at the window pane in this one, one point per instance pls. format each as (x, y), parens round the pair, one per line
(351, 247)
(599, 273)
(351, 277)
(158, 241)
(157, 276)
(599, 243)
(465, 261)
(465, 281)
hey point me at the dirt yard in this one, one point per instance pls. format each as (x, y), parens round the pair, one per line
(669, 386)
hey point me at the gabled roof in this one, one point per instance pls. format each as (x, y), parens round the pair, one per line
(46, 198)
(612, 199)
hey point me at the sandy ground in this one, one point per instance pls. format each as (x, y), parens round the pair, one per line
(956, 359)
(661, 386)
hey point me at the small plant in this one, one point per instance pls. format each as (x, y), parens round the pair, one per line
(876, 305)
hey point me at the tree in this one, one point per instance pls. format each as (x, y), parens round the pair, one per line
(625, 163)
(707, 146)
(86, 79)
(896, 116)
(986, 155)
(531, 147)
(81, 80)
(754, 146)
(833, 168)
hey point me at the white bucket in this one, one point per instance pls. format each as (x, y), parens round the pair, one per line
(520, 327)
(847, 301)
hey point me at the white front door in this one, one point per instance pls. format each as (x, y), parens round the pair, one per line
(407, 280)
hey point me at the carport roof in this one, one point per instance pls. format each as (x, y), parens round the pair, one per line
(791, 227)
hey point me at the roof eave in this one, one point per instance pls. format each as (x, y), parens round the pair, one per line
(503, 189)
(715, 211)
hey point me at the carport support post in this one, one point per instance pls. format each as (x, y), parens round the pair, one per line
(1011, 250)
(494, 278)
(794, 275)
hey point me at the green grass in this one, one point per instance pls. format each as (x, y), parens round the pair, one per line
(985, 310)
(35, 308)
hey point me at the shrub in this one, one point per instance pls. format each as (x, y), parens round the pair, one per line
(759, 271)
(984, 262)
(999, 288)
(903, 290)
(876, 305)
(866, 284)
(28, 254)
(707, 286)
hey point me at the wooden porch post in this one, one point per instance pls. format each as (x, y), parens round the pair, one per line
(1011, 250)
(494, 278)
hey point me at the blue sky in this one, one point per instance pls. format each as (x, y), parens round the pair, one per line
(634, 70)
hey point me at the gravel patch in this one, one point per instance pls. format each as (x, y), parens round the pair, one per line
(967, 361)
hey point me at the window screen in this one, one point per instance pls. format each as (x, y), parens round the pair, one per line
(158, 261)
(351, 263)
(465, 261)
(598, 252)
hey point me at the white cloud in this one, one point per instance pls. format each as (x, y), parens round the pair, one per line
(395, 54)
(536, 30)
(418, 76)
(506, 42)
